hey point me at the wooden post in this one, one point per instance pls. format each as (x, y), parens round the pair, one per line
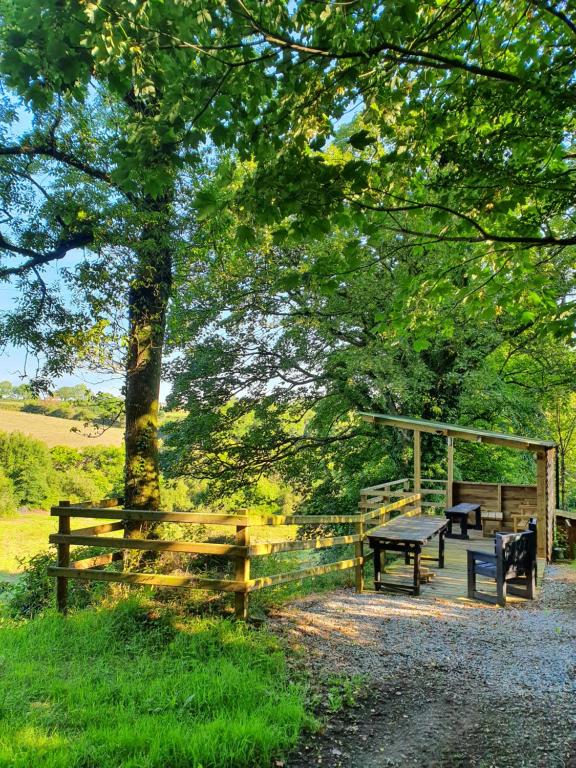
(551, 496)
(450, 483)
(417, 462)
(63, 562)
(359, 552)
(242, 572)
(541, 503)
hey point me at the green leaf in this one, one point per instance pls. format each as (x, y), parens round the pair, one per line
(246, 234)
(361, 139)
(420, 345)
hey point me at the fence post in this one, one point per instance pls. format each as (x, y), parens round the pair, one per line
(359, 552)
(63, 561)
(242, 572)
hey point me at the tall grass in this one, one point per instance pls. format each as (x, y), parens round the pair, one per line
(132, 687)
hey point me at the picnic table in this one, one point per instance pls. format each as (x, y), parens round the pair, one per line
(459, 514)
(407, 535)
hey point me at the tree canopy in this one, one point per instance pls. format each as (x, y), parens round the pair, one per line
(393, 180)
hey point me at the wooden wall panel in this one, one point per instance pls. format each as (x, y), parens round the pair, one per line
(476, 493)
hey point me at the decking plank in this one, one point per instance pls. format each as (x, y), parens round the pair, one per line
(449, 583)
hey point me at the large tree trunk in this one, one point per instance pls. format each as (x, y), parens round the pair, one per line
(148, 300)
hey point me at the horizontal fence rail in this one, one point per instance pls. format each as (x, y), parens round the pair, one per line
(240, 552)
(376, 495)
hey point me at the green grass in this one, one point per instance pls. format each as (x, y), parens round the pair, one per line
(128, 687)
(23, 536)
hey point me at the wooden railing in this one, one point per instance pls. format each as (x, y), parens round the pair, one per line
(378, 494)
(240, 552)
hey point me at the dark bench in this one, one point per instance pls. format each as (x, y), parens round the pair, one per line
(458, 514)
(513, 566)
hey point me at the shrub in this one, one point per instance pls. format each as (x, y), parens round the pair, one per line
(28, 464)
(8, 498)
(35, 590)
(89, 473)
(78, 486)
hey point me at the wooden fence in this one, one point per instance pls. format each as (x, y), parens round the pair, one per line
(377, 495)
(240, 552)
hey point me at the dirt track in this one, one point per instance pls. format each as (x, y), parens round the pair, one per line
(449, 684)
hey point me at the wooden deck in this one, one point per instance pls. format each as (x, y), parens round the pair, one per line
(449, 583)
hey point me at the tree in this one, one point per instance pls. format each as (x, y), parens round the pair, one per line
(463, 136)
(78, 392)
(6, 390)
(26, 462)
(22, 392)
(283, 346)
(113, 134)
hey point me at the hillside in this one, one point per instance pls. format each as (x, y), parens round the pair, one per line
(55, 431)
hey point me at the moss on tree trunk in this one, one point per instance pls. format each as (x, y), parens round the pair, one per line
(148, 300)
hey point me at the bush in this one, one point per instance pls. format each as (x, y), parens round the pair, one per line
(28, 464)
(79, 486)
(89, 473)
(35, 590)
(8, 498)
(32, 485)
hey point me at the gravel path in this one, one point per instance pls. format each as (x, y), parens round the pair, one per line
(450, 684)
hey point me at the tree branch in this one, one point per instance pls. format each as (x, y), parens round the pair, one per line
(50, 150)
(35, 259)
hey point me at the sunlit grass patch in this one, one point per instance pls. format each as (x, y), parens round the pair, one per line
(131, 686)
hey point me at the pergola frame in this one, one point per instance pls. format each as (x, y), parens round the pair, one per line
(544, 450)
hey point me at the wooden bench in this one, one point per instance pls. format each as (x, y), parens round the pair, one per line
(458, 514)
(513, 566)
(492, 520)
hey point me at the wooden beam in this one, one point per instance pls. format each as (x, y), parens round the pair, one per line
(150, 545)
(63, 562)
(295, 546)
(450, 478)
(153, 579)
(359, 556)
(516, 442)
(541, 502)
(282, 578)
(383, 509)
(198, 518)
(96, 530)
(150, 516)
(417, 462)
(98, 561)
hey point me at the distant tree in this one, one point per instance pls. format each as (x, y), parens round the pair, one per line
(76, 393)
(28, 464)
(22, 392)
(6, 390)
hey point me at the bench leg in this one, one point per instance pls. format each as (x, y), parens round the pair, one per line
(417, 570)
(501, 592)
(478, 519)
(471, 577)
(441, 544)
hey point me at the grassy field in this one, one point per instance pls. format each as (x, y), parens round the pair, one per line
(24, 536)
(55, 431)
(129, 687)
